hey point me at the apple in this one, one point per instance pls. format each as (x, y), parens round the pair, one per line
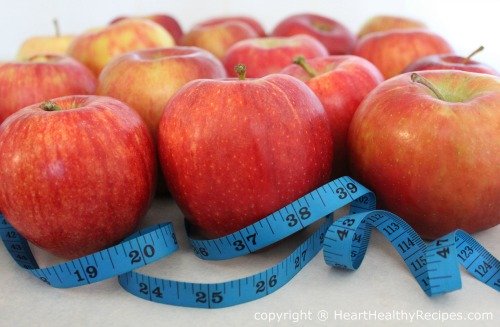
(267, 55)
(217, 38)
(253, 23)
(434, 62)
(40, 78)
(341, 83)
(383, 23)
(334, 36)
(236, 150)
(77, 173)
(393, 51)
(147, 79)
(56, 44)
(169, 23)
(97, 47)
(427, 145)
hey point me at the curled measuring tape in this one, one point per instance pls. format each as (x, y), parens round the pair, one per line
(434, 266)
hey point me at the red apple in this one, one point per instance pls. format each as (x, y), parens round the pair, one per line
(234, 151)
(392, 51)
(77, 173)
(169, 23)
(40, 78)
(334, 36)
(384, 23)
(430, 153)
(217, 38)
(147, 79)
(267, 55)
(341, 83)
(434, 62)
(97, 47)
(254, 24)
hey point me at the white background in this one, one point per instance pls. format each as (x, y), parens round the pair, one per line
(466, 24)
(382, 283)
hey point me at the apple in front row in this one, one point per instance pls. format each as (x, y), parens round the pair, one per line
(427, 144)
(334, 36)
(41, 77)
(147, 79)
(98, 47)
(77, 173)
(452, 62)
(267, 55)
(169, 23)
(235, 150)
(341, 83)
(391, 52)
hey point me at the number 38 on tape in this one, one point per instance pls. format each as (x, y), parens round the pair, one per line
(434, 265)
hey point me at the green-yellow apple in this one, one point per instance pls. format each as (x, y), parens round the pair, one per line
(334, 36)
(385, 23)
(77, 173)
(267, 55)
(147, 79)
(341, 83)
(169, 23)
(394, 50)
(427, 145)
(236, 150)
(97, 47)
(40, 78)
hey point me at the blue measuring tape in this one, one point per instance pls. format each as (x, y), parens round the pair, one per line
(434, 266)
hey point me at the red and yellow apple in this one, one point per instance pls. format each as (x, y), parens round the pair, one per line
(40, 78)
(53, 44)
(393, 51)
(437, 62)
(334, 36)
(430, 151)
(147, 79)
(235, 150)
(218, 38)
(77, 173)
(341, 83)
(385, 23)
(169, 23)
(97, 47)
(253, 23)
(267, 55)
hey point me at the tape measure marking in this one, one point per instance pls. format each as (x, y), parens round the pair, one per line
(435, 266)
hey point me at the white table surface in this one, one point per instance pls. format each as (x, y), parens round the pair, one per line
(381, 285)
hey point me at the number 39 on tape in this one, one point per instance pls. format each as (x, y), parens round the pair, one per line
(434, 265)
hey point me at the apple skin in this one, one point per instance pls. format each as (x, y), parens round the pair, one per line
(253, 23)
(268, 55)
(391, 52)
(77, 180)
(385, 23)
(147, 79)
(38, 45)
(435, 163)
(438, 62)
(341, 83)
(218, 38)
(234, 151)
(169, 23)
(334, 36)
(40, 78)
(98, 47)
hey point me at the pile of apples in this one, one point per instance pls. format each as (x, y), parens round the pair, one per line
(242, 123)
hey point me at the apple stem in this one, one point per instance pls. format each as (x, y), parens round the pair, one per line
(56, 27)
(468, 58)
(301, 61)
(241, 70)
(422, 80)
(50, 106)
